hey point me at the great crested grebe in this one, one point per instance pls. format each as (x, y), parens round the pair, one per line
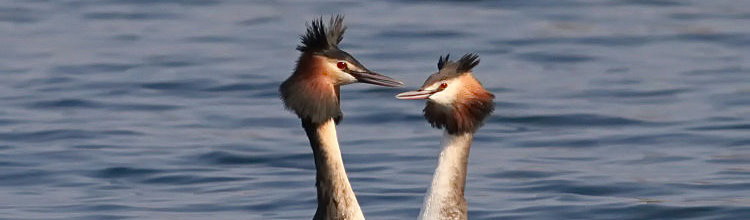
(456, 102)
(312, 92)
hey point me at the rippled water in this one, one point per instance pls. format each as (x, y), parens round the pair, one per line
(168, 109)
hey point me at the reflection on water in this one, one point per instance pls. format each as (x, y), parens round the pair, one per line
(168, 109)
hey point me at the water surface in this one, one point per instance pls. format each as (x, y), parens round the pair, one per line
(168, 109)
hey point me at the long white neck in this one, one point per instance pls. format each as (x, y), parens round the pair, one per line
(336, 198)
(445, 198)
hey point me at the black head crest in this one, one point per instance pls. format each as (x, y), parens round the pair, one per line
(467, 62)
(449, 69)
(320, 37)
(442, 61)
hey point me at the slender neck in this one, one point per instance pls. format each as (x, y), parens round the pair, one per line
(336, 198)
(445, 198)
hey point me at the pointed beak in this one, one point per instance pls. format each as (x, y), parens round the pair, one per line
(419, 94)
(376, 79)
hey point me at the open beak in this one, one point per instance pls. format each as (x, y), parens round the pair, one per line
(376, 79)
(419, 94)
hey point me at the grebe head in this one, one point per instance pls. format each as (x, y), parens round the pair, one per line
(312, 91)
(456, 100)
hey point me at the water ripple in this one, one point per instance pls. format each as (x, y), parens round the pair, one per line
(607, 41)
(176, 2)
(420, 34)
(129, 16)
(120, 172)
(244, 87)
(47, 135)
(142, 109)
(722, 127)
(82, 103)
(18, 15)
(26, 178)
(572, 120)
(187, 179)
(232, 158)
(96, 68)
(543, 57)
(525, 174)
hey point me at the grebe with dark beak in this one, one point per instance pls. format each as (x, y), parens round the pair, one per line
(312, 92)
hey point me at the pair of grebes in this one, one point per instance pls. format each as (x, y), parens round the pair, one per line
(456, 102)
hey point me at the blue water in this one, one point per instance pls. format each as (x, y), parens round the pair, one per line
(119, 109)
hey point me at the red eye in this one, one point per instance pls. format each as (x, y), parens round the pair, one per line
(443, 86)
(341, 65)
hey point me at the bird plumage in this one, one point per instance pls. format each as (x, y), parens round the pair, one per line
(467, 106)
(458, 103)
(318, 37)
(312, 92)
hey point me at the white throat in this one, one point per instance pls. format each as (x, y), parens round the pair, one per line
(445, 197)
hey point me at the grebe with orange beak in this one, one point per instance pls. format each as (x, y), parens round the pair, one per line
(458, 103)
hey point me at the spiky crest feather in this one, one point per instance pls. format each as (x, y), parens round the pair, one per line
(467, 62)
(442, 61)
(319, 37)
